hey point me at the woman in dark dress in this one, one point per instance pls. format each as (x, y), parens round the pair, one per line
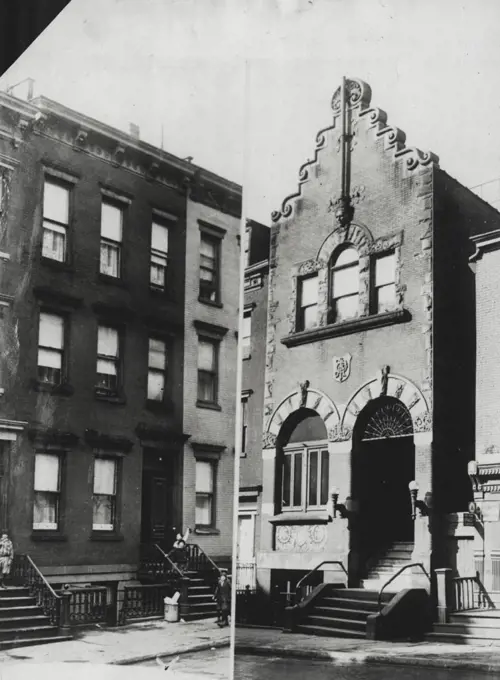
(222, 596)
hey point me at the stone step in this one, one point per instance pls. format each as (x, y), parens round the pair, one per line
(330, 632)
(32, 641)
(28, 610)
(23, 632)
(334, 622)
(8, 602)
(354, 614)
(14, 591)
(30, 621)
(355, 604)
(460, 639)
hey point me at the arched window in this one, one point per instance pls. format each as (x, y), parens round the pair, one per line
(344, 285)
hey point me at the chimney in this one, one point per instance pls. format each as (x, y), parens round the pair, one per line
(134, 131)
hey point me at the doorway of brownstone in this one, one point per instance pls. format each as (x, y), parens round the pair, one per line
(157, 511)
(383, 465)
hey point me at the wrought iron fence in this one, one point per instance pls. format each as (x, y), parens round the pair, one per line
(89, 605)
(246, 575)
(469, 593)
(256, 608)
(146, 601)
(25, 573)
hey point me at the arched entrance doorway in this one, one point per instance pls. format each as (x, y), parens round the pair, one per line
(383, 466)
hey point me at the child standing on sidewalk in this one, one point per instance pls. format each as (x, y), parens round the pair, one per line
(222, 596)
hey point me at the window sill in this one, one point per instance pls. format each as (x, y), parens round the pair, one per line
(105, 536)
(63, 389)
(161, 293)
(44, 535)
(209, 405)
(113, 280)
(247, 356)
(110, 397)
(56, 264)
(210, 303)
(297, 517)
(161, 407)
(358, 325)
(206, 531)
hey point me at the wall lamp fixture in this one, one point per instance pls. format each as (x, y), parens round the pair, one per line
(473, 472)
(337, 507)
(417, 504)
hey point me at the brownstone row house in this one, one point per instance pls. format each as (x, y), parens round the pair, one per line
(362, 381)
(119, 282)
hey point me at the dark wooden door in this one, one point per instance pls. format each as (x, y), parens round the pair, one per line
(157, 521)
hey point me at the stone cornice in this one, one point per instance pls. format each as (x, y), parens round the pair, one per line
(484, 243)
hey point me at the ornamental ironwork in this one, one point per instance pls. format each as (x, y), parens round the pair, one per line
(389, 421)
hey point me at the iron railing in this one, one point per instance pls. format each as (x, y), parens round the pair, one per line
(469, 593)
(155, 564)
(145, 601)
(301, 584)
(246, 575)
(26, 573)
(196, 559)
(394, 576)
(89, 605)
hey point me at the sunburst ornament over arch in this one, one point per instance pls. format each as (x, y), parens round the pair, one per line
(388, 421)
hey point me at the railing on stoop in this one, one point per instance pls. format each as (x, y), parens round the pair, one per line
(469, 593)
(200, 562)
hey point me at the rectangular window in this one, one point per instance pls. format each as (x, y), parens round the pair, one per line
(157, 369)
(318, 471)
(111, 239)
(159, 256)
(308, 303)
(305, 478)
(205, 484)
(292, 480)
(50, 348)
(207, 370)
(246, 334)
(244, 425)
(385, 286)
(209, 268)
(108, 359)
(104, 494)
(47, 491)
(55, 220)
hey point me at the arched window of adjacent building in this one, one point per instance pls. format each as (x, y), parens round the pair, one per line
(305, 465)
(344, 285)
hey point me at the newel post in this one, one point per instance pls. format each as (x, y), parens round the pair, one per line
(64, 620)
(444, 594)
(184, 598)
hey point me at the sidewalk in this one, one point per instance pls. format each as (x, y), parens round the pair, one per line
(128, 644)
(271, 642)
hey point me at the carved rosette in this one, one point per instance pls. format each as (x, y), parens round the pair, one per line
(423, 422)
(358, 94)
(268, 440)
(339, 433)
(301, 538)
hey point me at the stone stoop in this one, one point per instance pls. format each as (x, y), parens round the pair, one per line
(474, 627)
(201, 604)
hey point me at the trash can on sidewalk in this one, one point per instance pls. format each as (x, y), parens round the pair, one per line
(171, 610)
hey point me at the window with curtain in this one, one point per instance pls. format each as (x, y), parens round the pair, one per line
(104, 494)
(47, 491)
(55, 220)
(159, 256)
(108, 359)
(207, 370)
(50, 348)
(384, 290)
(209, 268)
(205, 484)
(111, 239)
(308, 303)
(344, 281)
(157, 369)
(305, 476)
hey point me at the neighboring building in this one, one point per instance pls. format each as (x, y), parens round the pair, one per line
(369, 361)
(118, 259)
(256, 248)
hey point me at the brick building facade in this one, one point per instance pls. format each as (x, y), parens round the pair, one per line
(117, 421)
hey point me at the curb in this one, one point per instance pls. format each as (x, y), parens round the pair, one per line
(376, 659)
(200, 647)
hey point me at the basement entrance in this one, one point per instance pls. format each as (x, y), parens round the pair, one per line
(383, 466)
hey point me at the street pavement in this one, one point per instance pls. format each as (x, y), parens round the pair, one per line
(129, 644)
(275, 643)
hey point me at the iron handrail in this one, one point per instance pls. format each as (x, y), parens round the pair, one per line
(45, 582)
(394, 576)
(218, 569)
(172, 564)
(316, 569)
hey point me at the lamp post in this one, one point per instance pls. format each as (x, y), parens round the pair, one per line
(413, 487)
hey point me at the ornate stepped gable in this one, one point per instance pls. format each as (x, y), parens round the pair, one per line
(358, 100)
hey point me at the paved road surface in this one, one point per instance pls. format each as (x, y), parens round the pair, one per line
(211, 664)
(260, 668)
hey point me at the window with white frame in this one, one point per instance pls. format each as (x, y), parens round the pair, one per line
(308, 303)
(209, 267)
(104, 494)
(305, 475)
(47, 490)
(384, 289)
(111, 238)
(207, 370)
(50, 348)
(344, 282)
(159, 256)
(157, 369)
(108, 359)
(246, 334)
(205, 496)
(55, 220)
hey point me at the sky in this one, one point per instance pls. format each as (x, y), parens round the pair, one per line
(243, 86)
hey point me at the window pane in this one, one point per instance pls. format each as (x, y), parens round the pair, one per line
(54, 242)
(347, 256)
(55, 202)
(207, 249)
(203, 513)
(309, 291)
(156, 385)
(385, 268)
(310, 317)
(247, 326)
(346, 308)
(206, 355)
(345, 282)
(46, 472)
(287, 472)
(107, 341)
(313, 478)
(159, 238)
(103, 511)
(51, 331)
(206, 386)
(204, 477)
(45, 511)
(325, 472)
(157, 354)
(106, 367)
(158, 270)
(386, 298)
(111, 222)
(110, 260)
(50, 358)
(104, 476)
(297, 480)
